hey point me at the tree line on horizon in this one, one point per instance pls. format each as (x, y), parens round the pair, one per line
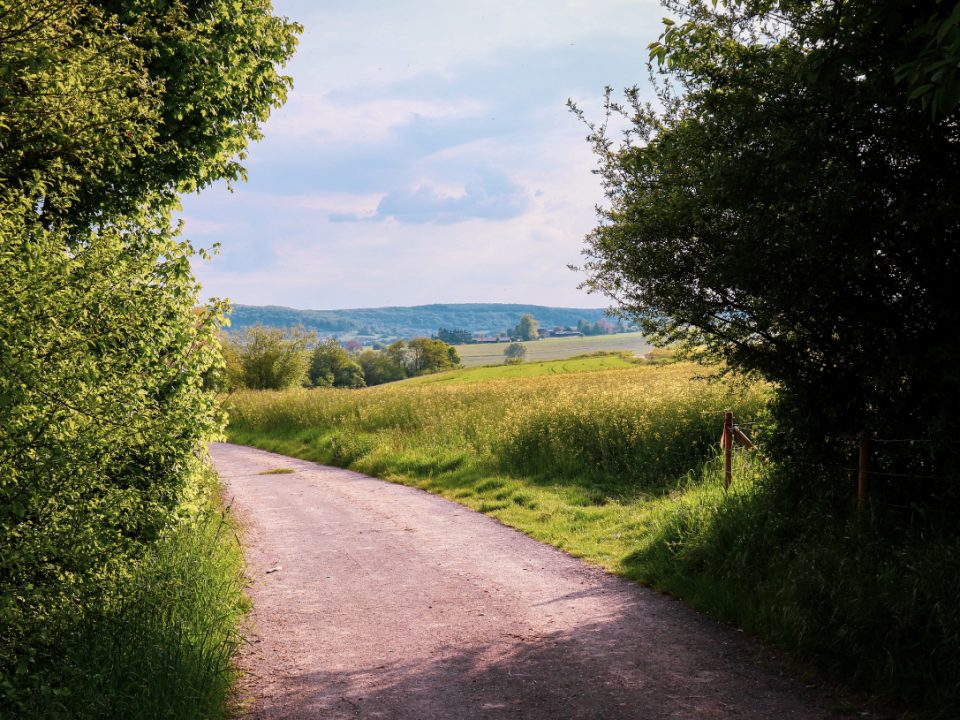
(528, 328)
(383, 324)
(267, 358)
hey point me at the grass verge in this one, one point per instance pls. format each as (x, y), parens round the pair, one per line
(159, 643)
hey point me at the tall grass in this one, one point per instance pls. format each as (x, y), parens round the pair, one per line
(874, 608)
(159, 642)
(640, 426)
(620, 467)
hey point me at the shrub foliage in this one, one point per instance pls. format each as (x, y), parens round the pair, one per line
(791, 208)
(107, 111)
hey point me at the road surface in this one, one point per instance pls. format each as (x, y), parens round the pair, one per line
(374, 600)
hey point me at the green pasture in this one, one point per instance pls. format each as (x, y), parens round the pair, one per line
(554, 348)
(527, 369)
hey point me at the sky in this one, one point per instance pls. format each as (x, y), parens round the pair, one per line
(425, 155)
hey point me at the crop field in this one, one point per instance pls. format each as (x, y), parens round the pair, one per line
(554, 348)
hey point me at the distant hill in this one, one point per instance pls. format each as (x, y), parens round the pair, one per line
(408, 322)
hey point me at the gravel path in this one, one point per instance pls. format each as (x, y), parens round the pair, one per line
(389, 602)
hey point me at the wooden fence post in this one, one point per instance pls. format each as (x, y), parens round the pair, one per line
(727, 443)
(862, 469)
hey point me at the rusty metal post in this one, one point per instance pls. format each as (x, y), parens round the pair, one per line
(727, 444)
(862, 470)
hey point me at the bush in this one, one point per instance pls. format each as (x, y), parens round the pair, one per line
(331, 365)
(266, 358)
(514, 353)
(159, 642)
(106, 356)
(103, 407)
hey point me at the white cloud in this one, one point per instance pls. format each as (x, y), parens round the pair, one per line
(316, 119)
(445, 121)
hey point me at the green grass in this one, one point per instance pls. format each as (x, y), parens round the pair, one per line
(159, 645)
(604, 361)
(620, 467)
(278, 471)
(476, 355)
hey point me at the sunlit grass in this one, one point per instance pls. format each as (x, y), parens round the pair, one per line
(555, 348)
(574, 459)
(599, 361)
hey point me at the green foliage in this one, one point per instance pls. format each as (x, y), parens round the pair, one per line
(425, 355)
(331, 365)
(840, 592)
(514, 353)
(102, 407)
(269, 358)
(856, 178)
(114, 101)
(107, 109)
(160, 641)
(454, 337)
(596, 328)
(380, 367)
(931, 74)
(526, 329)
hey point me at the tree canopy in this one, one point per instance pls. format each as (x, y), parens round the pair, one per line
(426, 355)
(331, 365)
(265, 358)
(107, 110)
(790, 206)
(455, 336)
(526, 329)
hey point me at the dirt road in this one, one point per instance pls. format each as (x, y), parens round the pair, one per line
(388, 602)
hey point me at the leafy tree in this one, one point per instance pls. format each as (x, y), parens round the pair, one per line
(398, 353)
(455, 336)
(107, 110)
(931, 73)
(114, 102)
(526, 329)
(588, 328)
(514, 353)
(273, 358)
(426, 355)
(792, 210)
(380, 367)
(331, 365)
